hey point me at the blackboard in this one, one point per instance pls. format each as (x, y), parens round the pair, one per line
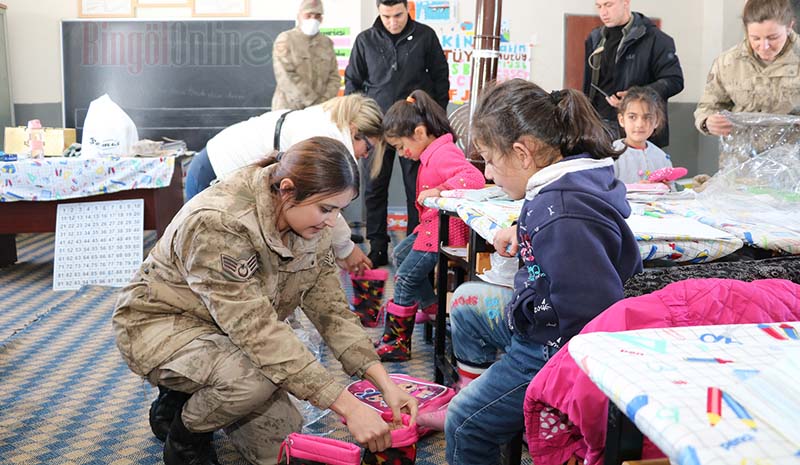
(179, 79)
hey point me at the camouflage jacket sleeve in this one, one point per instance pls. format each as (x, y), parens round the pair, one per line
(238, 306)
(297, 88)
(715, 98)
(326, 306)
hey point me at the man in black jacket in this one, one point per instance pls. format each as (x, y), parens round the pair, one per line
(394, 57)
(629, 50)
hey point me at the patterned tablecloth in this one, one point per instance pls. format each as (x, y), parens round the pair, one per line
(486, 211)
(744, 220)
(727, 394)
(60, 178)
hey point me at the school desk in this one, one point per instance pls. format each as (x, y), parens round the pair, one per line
(32, 189)
(726, 394)
(487, 210)
(746, 217)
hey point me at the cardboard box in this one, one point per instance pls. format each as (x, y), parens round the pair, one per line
(56, 140)
(15, 140)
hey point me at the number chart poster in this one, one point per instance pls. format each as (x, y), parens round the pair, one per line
(98, 243)
(342, 45)
(457, 42)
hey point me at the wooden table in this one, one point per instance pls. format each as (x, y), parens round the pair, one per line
(160, 206)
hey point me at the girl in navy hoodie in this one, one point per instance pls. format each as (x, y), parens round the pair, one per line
(577, 251)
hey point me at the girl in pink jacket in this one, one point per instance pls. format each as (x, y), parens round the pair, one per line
(418, 128)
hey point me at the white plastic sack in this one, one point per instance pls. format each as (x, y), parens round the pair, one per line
(108, 130)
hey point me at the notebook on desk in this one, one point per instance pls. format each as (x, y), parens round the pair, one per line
(673, 227)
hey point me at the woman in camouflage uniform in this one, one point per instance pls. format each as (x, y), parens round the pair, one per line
(203, 317)
(761, 75)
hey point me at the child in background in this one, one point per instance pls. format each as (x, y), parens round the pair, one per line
(577, 251)
(641, 114)
(419, 129)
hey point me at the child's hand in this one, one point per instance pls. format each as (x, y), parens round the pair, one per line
(428, 193)
(505, 241)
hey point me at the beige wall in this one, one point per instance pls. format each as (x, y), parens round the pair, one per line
(701, 29)
(35, 48)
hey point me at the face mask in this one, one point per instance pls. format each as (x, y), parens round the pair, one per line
(309, 27)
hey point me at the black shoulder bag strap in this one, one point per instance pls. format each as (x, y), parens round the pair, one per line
(276, 142)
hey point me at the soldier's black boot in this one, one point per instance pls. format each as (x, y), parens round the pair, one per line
(163, 410)
(183, 447)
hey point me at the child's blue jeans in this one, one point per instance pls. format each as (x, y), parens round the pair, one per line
(488, 412)
(411, 282)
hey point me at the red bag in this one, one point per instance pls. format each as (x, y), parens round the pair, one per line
(306, 449)
(431, 396)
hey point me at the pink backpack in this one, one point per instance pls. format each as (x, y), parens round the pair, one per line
(430, 396)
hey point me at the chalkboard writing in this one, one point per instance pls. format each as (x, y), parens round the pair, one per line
(179, 79)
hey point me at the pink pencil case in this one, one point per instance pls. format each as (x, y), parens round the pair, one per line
(667, 174)
(301, 449)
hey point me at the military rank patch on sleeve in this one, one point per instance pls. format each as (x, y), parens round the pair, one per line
(239, 269)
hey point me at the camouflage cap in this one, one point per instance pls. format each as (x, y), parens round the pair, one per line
(311, 6)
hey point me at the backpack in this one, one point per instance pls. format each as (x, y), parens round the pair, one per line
(431, 396)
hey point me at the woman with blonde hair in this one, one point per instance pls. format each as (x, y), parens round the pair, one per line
(354, 120)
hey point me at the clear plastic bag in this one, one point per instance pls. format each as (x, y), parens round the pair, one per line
(762, 189)
(754, 134)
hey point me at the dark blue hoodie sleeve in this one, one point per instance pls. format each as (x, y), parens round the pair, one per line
(578, 279)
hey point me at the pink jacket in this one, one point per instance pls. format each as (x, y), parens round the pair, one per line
(443, 166)
(561, 394)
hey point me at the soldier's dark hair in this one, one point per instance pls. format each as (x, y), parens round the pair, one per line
(316, 166)
(758, 11)
(391, 2)
(561, 123)
(419, 108)
(649, 97)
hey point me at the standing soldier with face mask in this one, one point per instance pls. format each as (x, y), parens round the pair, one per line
(304, 62)
(761, 74)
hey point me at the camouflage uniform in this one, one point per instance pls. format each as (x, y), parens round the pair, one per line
(204, 314)
(740, 82)
(305, 68)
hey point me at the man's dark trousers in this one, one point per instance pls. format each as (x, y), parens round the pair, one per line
(376, 199)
